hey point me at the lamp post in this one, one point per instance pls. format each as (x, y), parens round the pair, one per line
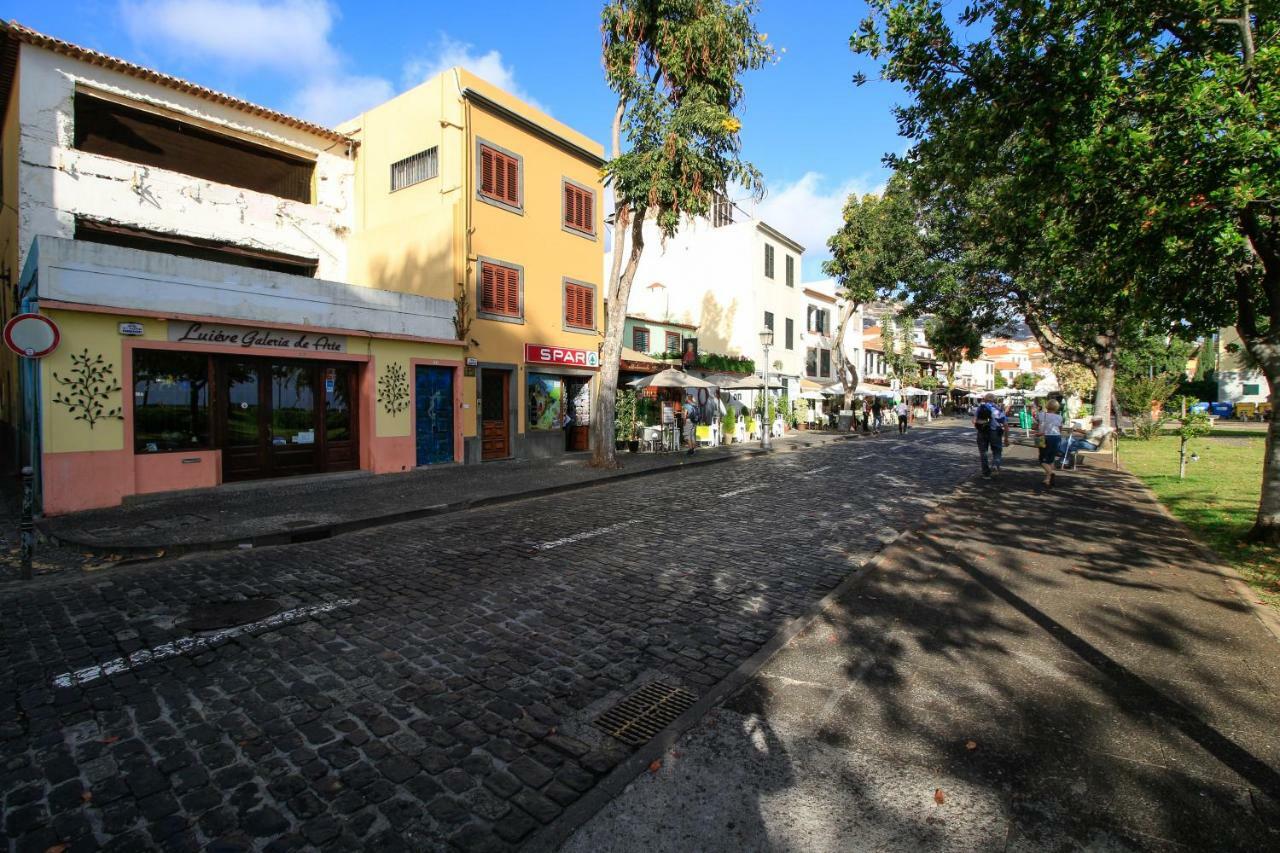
(766, 341)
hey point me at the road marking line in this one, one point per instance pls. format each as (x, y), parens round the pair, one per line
(742, 491)
(187, 645)
(818, 470)
(588, 534)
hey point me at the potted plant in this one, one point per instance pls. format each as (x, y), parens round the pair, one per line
(624, 418)
(728, 426)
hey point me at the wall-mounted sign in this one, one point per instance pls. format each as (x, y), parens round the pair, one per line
(184, 332)
(131, 330)
(31, 335)
(540, 354)
(472, 361)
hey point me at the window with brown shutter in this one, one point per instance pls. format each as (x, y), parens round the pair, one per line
(579, 209)
(499, 176)
(500, 289)
(673, 342)
(579, 305)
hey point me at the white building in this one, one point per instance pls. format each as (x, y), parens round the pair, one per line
(875, 368)
(1238, 383)
(729, 275)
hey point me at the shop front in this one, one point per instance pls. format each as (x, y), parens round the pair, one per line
(559, 383)
(137, 401)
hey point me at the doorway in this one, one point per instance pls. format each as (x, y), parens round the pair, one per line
(577, 403)
(280, 418)
(433, 408)
(495, 417)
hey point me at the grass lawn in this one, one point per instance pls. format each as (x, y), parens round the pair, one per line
(1218, 499)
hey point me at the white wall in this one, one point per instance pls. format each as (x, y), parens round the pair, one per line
(714, 278)
(57, 182)
(1231, 386)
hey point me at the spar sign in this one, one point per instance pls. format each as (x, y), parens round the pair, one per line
(563, 356)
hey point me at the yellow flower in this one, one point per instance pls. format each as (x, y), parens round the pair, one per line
(731, 125)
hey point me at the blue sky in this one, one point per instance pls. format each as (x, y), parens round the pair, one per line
(815, 136)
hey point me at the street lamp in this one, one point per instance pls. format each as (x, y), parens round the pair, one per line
(766, 341)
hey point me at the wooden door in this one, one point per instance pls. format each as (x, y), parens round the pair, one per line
(340, 439)
(495, 421)
(294, 420)
(242, 424)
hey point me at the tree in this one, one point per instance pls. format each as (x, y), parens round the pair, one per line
(676, 67)
(1136, 142)
(1026, 381)
(899, 347)
(1074, 380)
(1001, 382)
(877, 246)
(954, 339)
(1193, 425)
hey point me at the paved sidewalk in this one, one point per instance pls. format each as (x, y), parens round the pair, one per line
(1032, 671)
(308, 508)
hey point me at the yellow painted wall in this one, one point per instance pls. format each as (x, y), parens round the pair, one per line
(94, 335)
(391, 352)
(9, 249)
(533, 239)
(405, 240)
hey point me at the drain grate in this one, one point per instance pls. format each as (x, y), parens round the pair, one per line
(644, 713)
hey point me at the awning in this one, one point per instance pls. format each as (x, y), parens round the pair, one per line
(670, 378)
(751, 383)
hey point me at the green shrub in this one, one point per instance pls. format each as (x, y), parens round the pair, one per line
(1147, 427)
(728, 426)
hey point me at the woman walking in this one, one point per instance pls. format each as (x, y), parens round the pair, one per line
(1048, 437)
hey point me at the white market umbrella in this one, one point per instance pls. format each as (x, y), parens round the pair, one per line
(912, 392)
(751, 383)
(670, 378)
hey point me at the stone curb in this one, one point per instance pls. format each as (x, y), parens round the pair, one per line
(145, 553)
(552, 836)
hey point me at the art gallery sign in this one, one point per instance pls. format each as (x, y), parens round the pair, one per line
(248, 336)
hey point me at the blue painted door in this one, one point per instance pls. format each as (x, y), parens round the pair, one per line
(434, 402)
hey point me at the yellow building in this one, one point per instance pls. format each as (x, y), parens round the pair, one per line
(466, 193)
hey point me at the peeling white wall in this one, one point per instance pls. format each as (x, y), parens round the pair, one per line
(57, 182)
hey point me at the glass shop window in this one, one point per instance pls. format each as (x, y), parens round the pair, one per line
(170, 401)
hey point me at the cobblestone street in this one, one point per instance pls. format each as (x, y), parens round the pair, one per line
(430, 683)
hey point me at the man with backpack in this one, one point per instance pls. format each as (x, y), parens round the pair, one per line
(990, 423)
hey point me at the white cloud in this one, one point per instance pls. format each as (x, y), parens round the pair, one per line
(448, 52)
(288, 36)
(331, 100)
(809, 210)
(294, 38)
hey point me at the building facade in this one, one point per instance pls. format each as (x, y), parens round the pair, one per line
(193, 251)
(729, 275)
(1237, 382)
(469, 195)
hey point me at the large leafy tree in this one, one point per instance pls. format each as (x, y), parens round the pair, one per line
(676, 67)
(878, 245)
(954, 338)
(1130, 149)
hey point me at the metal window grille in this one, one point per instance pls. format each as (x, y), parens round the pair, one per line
(414, 170)
(721, 212)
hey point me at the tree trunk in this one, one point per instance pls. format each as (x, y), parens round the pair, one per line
(848, 371)
(603, 453)
(1182, 458)
(1266, 528)
(1105, 377)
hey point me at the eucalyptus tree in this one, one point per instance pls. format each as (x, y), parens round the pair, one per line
(676, 67)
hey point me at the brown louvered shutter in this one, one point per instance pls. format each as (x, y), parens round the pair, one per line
(588, 307)
(568, 205)
(489, 287)
(499, 176)
(588, 215)
(513, 181)
(487, 181)
(513, 292)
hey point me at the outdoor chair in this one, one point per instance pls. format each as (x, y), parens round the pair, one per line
(702, 434)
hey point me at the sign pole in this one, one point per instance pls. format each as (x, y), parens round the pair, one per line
(26, 527)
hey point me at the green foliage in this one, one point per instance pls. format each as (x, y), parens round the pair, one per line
(648, 411)
(1074, 380)
(954, 338)
(676, 66)
(624, 415)
(713, 362)
(1001, 382)
(1026, 381)
(728, 425)
(1200, 389)
(1141, 394)
(1146, 427)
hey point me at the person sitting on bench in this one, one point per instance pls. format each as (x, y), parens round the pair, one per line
(1082, 440)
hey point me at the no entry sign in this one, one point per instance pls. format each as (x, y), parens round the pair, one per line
(31, 335)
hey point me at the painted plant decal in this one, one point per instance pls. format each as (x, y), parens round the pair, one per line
(89, 389)
(393, 389)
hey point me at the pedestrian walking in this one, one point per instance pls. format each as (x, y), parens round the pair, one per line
(690, 432)
(904, 413)
(877, 415)
(1048, 437)
(992, 436)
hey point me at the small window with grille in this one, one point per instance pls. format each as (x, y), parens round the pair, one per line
(422, 166)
